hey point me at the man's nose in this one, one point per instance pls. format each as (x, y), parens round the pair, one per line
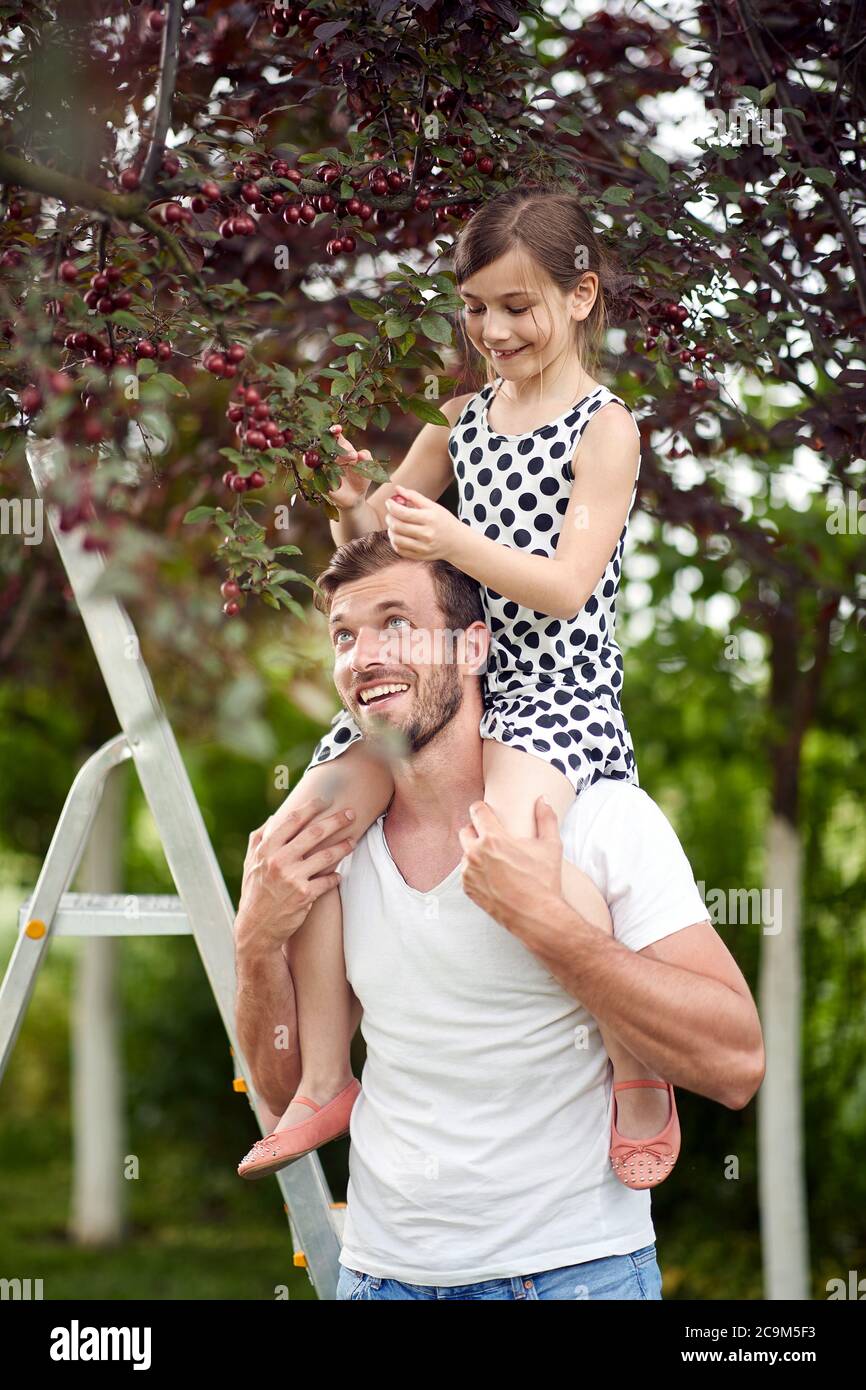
(374, 647)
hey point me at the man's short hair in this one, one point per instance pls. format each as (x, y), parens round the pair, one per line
(457, 594)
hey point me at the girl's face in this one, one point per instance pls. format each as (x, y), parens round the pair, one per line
(511, 325)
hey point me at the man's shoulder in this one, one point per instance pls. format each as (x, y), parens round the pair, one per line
(610, 816)
(607, 795)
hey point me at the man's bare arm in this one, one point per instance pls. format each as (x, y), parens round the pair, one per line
(682, 1016)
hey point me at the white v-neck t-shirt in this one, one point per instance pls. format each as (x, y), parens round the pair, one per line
(480, 1138)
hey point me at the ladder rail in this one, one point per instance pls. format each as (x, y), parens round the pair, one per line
(58, 870)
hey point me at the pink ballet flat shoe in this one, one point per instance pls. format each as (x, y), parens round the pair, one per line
(643, 1163)
(285, 1146)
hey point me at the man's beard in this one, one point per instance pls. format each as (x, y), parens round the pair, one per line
(435, 705)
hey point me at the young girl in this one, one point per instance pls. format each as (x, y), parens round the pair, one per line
(546, 460)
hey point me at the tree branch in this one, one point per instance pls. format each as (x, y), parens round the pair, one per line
(167, 76)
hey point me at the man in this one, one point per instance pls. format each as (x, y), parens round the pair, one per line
(479, 1143)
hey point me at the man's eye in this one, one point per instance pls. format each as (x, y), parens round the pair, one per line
(395, 617)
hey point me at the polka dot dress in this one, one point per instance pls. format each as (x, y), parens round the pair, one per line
(552, 684)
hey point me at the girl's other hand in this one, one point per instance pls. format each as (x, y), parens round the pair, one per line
(353, 485)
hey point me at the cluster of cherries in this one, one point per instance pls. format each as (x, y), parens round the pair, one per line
(224, 362)
(255, 428)
(101, 295)
(675, 315)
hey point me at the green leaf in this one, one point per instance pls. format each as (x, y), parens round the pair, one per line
(572, 124)
(435, 327)
(427, 411)
(397, 325)
(126, 320)
(617, 194)
(655, 166)
(348, 339)
(199, 514)
(279, 576)
(165, 383)
(365, 309)
(824, 176)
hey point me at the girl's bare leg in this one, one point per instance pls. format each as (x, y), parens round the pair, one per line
(359, 780)
(513, 780)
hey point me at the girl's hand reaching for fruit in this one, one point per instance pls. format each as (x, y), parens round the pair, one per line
(353, 485)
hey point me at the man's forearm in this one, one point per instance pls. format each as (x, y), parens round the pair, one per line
(266, 1022)
(354, 522)
(693, 1030)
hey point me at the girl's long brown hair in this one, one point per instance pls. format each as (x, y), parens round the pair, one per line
(552, 227)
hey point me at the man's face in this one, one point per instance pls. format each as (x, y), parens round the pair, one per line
(387, 631)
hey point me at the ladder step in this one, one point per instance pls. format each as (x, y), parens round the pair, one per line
(116, 914)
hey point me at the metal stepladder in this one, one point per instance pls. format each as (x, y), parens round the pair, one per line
(203, 908)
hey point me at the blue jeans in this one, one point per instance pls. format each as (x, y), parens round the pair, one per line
(614, 1276)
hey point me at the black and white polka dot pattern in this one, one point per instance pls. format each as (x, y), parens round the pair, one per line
(552, 684)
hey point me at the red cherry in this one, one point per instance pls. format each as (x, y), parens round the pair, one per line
(270, 429)
(215, 363)
(113, 273)
(130, 179)
(91, 299)
(256, 479)
(261, 411)
(227, 227)
(230, 588)
(210, 190)
(171, 165)
(60, 383)
(163, 351)
(172, 213)
(238, 484)
(251, 396)
(31, 400)
(144, 348)
(250, 193)
(236, 353)
(68, 272)
(232, 608)
(353, 207)
(156, 22)
(308, 213)
(99, 282)
(122, 300)
(256, 439)
(312, 458)
(468, 157)
(366, 212)
(199, 204)
(291, 215)
(700, 384)
(105, 304)
(486, 164)
(229, 370)
(235, 413)
(349, 244)
(422, 202)
(700, 353)
(227, 478)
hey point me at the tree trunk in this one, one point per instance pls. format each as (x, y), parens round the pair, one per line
(98, 1195)
(782, 1180)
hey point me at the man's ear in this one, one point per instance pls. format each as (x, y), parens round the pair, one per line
(476, 644)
